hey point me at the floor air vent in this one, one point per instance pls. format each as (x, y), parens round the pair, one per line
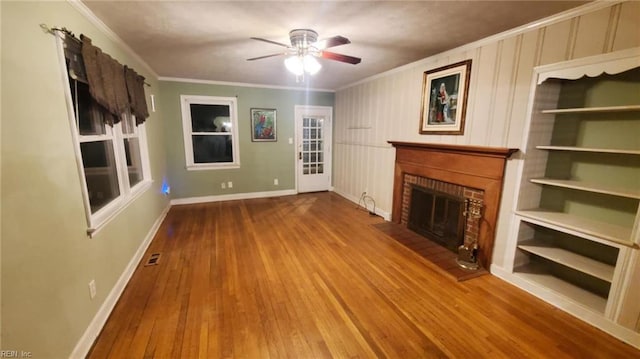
(153, 260)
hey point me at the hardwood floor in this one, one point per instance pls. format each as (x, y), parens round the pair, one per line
(307, 276)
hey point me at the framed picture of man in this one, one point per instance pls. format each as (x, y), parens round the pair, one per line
(444, 99)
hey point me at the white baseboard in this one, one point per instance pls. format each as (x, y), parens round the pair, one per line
(91, 333)
(232, 197)
(597, 320)
(384, 214)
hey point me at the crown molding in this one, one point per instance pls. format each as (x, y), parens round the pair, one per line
(89, 15)
(241, 84)
(550, 20)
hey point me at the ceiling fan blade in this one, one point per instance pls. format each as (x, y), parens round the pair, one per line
(271, 42)
(340, 57)
(331, 42)
(266, 56)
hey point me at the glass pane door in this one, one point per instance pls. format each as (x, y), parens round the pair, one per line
(312, 154)
(313, 144)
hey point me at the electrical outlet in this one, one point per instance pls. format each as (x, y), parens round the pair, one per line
(223, 185)
(275, 181)
(92, 288)
(230, 184)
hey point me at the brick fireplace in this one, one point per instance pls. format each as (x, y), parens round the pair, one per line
(469, 173)
(448, 224)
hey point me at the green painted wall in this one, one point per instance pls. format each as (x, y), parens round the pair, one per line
(47, 258)
(260, 162)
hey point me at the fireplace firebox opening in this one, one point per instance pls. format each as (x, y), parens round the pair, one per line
(445, 213)
(438, 216)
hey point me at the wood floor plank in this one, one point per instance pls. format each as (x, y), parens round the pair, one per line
(309, 276)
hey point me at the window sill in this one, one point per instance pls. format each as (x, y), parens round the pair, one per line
(213, 167)
(115, 208)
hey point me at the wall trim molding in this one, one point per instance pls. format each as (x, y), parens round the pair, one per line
(241, 84)
(99, 320)
(553, 19)
(597, 320)
(232, 197)
(93, 19)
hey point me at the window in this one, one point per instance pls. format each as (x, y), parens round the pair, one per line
(210, 127)
(113, 159)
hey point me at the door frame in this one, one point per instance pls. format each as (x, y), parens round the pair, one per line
(301, 111)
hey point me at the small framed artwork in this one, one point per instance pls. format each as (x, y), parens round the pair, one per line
(263, 125)
(444, 99)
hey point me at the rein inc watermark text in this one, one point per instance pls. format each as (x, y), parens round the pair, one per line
(15, 354)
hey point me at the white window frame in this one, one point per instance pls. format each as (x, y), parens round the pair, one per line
(97, 220)
(186, 101)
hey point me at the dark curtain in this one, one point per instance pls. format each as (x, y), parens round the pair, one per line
(137, 99)
(116, 88)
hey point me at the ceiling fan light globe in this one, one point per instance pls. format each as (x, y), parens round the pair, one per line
(311, 64)
(294, 65)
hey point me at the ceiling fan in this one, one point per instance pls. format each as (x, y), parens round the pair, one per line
(304, 48)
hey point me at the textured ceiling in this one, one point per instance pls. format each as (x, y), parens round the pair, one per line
(209, 40)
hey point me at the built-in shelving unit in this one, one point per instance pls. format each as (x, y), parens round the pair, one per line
(593, 109)
(565, 222)
(576, 221)
(568, 258)
(538, 274)
(590, 187)
(587, 149)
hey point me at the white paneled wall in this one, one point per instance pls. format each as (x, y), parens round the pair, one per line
(387, 107)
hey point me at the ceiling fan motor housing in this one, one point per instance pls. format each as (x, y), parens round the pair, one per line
(302, 38)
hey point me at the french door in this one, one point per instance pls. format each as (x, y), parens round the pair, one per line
(313, 144)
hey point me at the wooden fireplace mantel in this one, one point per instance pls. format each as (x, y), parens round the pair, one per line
(501, 152)
(470, 166)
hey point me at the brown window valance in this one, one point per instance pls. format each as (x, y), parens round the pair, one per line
(137, 99)
(118, 89)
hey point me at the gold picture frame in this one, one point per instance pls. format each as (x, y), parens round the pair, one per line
(444, 99)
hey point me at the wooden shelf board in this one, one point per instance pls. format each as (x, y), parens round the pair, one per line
(591, 187)
(569, 259)
(594, 109)
(588, 149)
(537, 274)
(611, 232)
